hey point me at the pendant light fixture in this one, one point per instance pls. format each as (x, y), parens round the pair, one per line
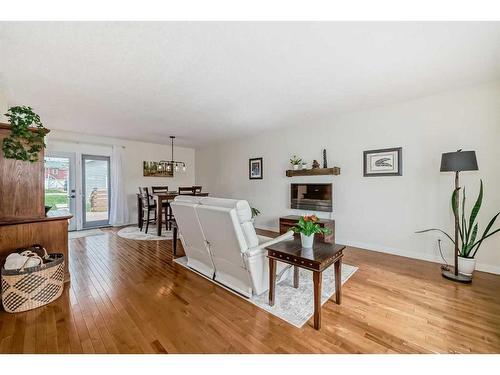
(172, 165)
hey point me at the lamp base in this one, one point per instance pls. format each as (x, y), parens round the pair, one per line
(458, 278)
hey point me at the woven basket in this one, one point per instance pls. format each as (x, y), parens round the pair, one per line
(29, 288)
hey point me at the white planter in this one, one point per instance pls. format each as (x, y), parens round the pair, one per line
(307, 241)
(295, 167)
(466, 266)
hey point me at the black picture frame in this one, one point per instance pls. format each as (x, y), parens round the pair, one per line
(251, 164)
(397, 172)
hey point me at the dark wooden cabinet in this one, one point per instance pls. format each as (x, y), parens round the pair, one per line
(22, 210)
(50, 232)
(21, 186)
(286, 222)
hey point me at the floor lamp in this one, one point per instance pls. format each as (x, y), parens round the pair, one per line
(457, 162)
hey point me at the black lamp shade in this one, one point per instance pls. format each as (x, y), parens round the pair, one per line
(459, 161)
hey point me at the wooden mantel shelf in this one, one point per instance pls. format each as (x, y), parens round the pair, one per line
(314, 172)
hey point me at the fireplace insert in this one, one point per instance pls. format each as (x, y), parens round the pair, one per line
(314, 197)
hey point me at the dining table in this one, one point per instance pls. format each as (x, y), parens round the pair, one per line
(165, 197)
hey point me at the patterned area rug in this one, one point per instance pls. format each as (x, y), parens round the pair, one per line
(294, 306)
(133, 233)
(84, 233)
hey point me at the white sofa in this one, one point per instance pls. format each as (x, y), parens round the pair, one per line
(220, 242)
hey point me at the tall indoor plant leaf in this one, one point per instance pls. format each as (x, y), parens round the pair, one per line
(468, 229)
(476, 208)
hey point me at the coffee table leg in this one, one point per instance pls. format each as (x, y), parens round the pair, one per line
(272, 280)
(317, 299)
(296, 271)
(338, 281)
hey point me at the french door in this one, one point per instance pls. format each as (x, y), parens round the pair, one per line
(60, 184)
(96, 191)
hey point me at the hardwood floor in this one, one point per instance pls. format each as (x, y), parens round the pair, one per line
(128, 296)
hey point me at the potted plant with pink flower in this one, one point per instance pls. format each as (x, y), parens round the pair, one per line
(307, 227)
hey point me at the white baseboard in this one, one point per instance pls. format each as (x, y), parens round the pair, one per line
(389, 250)
(488, 268)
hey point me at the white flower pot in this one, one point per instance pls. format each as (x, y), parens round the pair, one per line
(295, 167)
(466, 266)
(307, 241)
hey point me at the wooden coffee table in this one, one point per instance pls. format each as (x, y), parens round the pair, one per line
(317, 259)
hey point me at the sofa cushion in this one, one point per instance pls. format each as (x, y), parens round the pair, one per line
(250, 236)
(242, 207)
(218, 202)
(243, 212)
(187, 199)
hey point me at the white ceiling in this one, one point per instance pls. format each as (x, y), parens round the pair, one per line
(214, 80)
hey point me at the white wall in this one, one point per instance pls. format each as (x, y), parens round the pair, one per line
(135, 153)
(3, 106)
(377, 213)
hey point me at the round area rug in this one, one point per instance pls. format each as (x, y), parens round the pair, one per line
(133, 233)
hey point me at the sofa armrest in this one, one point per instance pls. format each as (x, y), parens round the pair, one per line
(261, 248)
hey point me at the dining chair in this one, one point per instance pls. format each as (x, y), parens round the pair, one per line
(185, 190)
(169, 216)
(171, 224)
(159, 189)
(165, 205)
(139, 209)
(148, 205)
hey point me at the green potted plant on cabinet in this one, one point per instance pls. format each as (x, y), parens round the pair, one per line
(27, 135)
(468, 228)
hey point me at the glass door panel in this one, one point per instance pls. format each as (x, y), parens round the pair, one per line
(96, 190)
(60, 184)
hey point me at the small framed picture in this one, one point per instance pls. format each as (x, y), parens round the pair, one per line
(255, 169)
(384, 162)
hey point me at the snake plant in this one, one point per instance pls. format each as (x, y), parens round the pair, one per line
(467, 227)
